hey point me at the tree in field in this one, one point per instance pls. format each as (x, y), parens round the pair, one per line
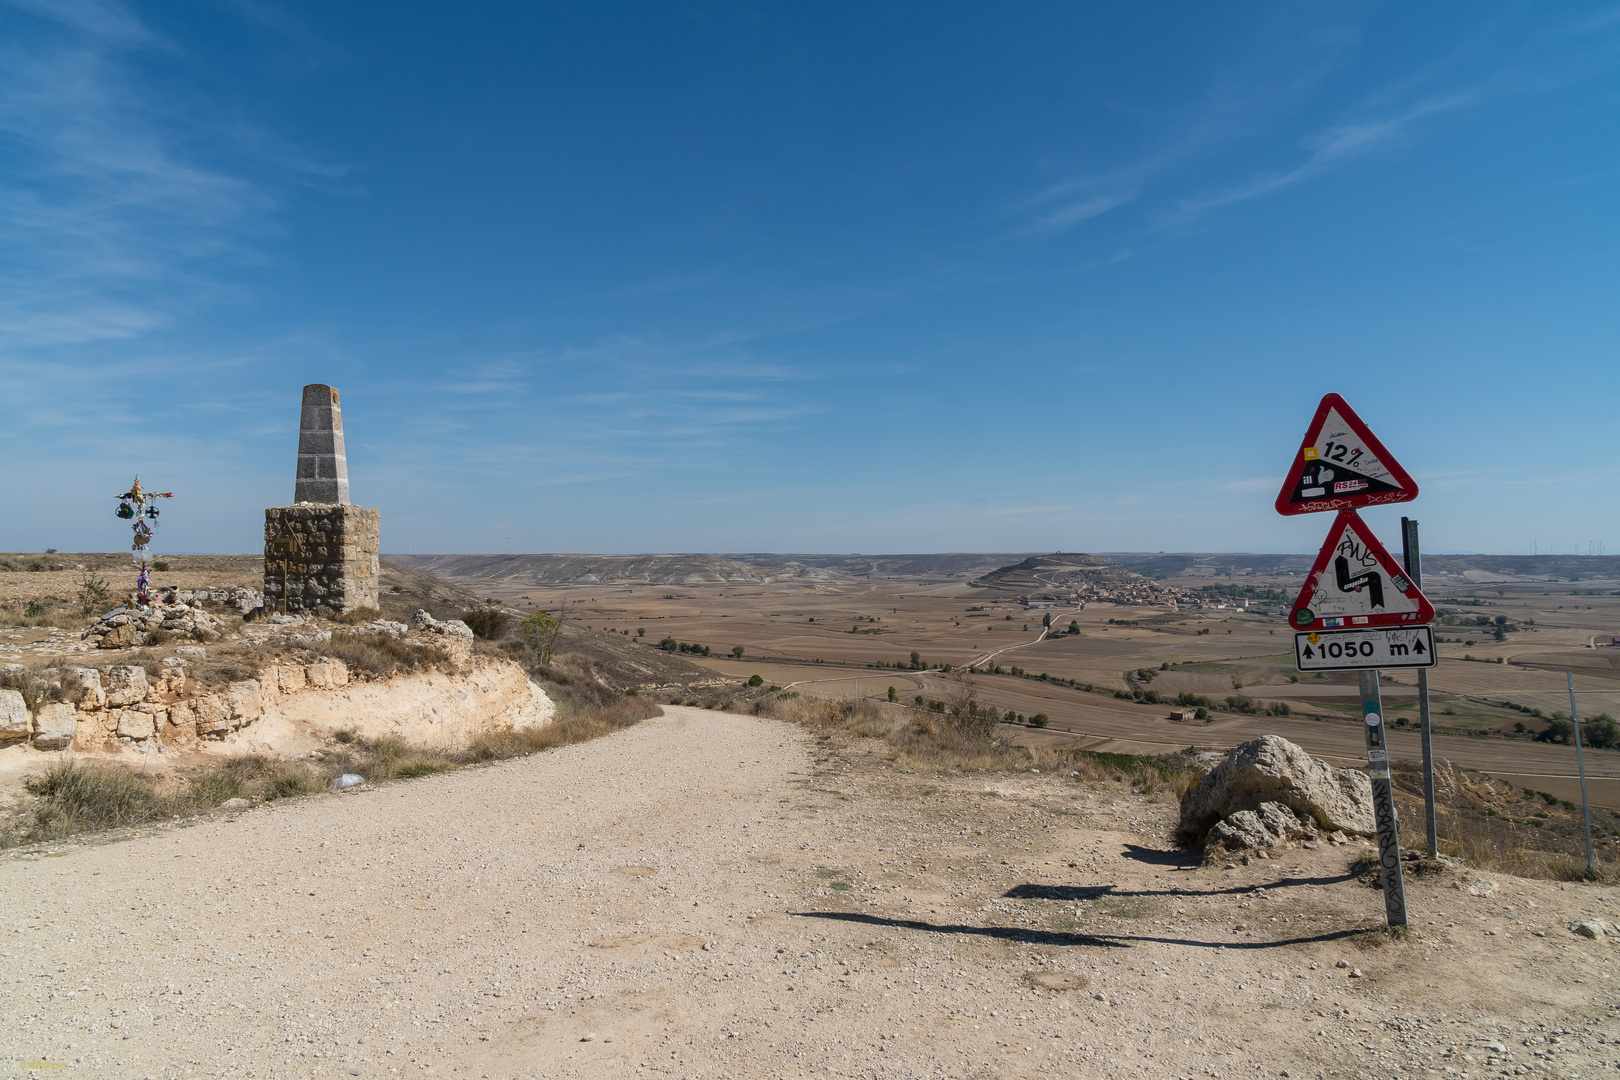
(737, 651)
(916, 658)
(1074, 626)
(892, 695)
(1046, 620)
(540, 634)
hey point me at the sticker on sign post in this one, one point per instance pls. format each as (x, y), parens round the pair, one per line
(1341, 465)
(1355, 584)
(1346, 650)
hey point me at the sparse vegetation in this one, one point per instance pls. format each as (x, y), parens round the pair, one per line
(488, 623)
(69, 797)
(381, 654)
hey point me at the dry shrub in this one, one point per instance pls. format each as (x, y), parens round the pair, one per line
(41, 615)
(953, 742)
(35, 686)
(75, 798)
(1473, 818)
(381, 654)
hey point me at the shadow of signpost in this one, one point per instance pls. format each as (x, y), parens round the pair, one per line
(1063, 939)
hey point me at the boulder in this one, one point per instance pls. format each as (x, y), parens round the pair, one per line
(327, 674)
(120, 637)
(1273, 770)
(290, 678)
(83, 687)
(125, 684)
(454, 628)
(212, 716)
(1595, 929)
(133, 724)
(1266, 827)
(243, 701)
(55, 725)
(13, 715)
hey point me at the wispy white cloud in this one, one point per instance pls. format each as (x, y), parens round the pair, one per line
(1327, 150)
(109, 225)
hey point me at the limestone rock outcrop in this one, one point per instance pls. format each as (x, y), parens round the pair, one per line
(123, 628)
(1269, 781)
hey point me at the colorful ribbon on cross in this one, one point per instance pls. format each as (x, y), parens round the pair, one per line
(140, 508)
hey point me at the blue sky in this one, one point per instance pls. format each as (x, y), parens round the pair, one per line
(829, 277)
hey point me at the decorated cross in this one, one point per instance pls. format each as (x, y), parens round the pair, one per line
(139, 508)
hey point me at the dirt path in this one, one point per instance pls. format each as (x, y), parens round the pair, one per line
(712, 895)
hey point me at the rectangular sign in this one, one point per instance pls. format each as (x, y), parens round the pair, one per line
(1343, 650)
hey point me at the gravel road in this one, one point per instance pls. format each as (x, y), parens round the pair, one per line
(710, 895)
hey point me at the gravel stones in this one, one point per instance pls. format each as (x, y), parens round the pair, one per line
(1274, 770)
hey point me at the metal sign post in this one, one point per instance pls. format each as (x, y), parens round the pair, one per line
(1580, 766)
(1412, 558)
(1389, 840)
(1357, 609)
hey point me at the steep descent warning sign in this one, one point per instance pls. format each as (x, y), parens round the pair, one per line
(1341, 465)
(1354, 583)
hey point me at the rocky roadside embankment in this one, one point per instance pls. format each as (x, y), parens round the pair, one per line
(163, 707)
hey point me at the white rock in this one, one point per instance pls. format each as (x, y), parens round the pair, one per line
(1592, 928)
(1274, 770)
(13, 715)
(124, 684)
(133, 724)
(55, 725)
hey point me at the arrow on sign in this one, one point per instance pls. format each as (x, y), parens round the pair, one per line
(1354, 583)
(1341, 465)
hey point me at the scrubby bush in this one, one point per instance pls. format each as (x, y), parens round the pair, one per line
(382, 654)
(488, 623)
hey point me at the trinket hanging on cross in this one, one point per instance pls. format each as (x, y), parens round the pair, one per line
(140, 509)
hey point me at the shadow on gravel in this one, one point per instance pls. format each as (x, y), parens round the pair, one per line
(1179, 857)
(1058, 938)
(1096, 892)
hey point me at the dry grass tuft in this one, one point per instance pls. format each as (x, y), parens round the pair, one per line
(962, 743)
(70, 798)
(382, 654)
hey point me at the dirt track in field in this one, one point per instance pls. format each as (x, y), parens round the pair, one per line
(725, 896)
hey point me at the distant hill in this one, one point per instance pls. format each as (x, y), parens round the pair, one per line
(944, 564)
(1437, 569)
(570, 569)
(1061, 571)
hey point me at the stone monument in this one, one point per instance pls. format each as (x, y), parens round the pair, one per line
(320, 554)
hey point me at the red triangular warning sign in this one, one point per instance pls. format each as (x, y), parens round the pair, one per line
(1354, 583)
(1341, 466)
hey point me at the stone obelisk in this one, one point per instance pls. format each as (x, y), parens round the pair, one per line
(323, 468)
(321, 553)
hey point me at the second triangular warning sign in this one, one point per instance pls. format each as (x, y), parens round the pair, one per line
(1355, 583)
(1341, 466)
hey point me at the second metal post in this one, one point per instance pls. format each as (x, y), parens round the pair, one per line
(1383, 792)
